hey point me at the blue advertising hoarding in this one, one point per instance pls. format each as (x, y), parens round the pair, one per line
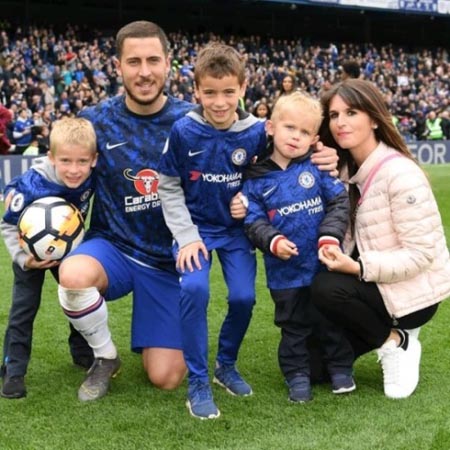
(426, 152)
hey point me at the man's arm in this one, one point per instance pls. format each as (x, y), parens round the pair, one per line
(325, 158)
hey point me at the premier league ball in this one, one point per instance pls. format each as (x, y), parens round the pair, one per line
(49, 228)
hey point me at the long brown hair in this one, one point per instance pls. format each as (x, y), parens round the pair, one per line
(361, 95)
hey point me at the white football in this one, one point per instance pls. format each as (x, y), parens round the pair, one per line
(49, 228)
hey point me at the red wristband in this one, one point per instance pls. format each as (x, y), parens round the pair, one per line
(275, 243)
(327, 240)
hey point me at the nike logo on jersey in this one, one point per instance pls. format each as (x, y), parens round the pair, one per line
(111, 146)
(192, 153)
(269, 191)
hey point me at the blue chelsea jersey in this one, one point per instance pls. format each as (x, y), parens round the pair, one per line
(33, 185)
(126, 209)
(210, 164)
(294, 201)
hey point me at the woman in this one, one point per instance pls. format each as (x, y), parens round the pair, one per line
(288, 85)
(395, 268)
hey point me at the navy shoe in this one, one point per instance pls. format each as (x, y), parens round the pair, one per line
(300, 389)
(200, 401)
(342, 383)
(229, 378)
(13, 387)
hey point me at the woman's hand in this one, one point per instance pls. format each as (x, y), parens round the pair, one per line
(336, 261)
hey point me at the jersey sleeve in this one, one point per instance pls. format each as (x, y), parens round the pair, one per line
(256, 224)
(169, 163)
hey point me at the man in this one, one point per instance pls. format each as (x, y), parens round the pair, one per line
(433, 126)
(128, 247)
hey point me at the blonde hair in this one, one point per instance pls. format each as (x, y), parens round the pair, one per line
(303, 102)
(73, 131)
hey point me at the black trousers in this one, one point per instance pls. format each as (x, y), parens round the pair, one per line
(308, 340)
(358, 309)
(26, 299)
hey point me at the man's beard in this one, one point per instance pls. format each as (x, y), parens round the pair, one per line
(140, 101)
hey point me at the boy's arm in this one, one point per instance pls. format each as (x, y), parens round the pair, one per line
(10, 236)
(261, 233)
(179, 221)
(176, 214)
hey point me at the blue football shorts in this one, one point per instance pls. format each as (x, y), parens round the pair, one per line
(156, 294)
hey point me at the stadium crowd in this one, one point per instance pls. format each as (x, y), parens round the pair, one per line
(45, 75)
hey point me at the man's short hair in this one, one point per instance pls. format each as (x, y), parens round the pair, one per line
(351, 69)
(141, 29)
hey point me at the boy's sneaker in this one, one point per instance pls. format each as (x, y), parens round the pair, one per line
(300, 389)
(96, 384)
(229, 378)
(13, 387)
(342, 383)
(400, 367)
(200, 401)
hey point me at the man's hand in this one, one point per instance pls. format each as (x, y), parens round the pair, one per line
(187, 256)
(325, 158)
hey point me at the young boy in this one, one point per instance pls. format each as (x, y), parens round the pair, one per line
(65, 172)
(293, 209)
(200, 172)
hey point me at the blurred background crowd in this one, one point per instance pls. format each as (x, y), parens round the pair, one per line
(46, 74)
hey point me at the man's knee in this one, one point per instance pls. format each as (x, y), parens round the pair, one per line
(165, 368)
(82, 271)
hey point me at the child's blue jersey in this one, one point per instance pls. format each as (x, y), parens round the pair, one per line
(41, 181)
(293, 203)
(126, 209)
(209, 164)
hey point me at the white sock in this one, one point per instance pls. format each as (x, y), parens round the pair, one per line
(87, 312)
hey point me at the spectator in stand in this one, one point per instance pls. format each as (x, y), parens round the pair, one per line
(22, 132)
(350, 69)
(5, 120)
(420, 125)
(433, 126)
(288, 85)
(261, 110)
(445, 116)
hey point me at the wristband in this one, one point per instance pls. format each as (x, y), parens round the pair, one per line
(361, 270)
(327, 240)
(275, 243)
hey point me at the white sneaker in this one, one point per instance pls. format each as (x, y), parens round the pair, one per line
(400, 367)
